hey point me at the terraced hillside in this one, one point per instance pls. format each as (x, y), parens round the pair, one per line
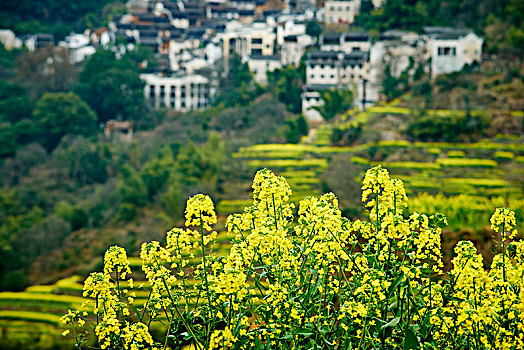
(465, 181)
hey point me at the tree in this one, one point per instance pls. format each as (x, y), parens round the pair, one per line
(286, 84)
(46, 70)
(335, 101)
(313, 29)
(238, 87)
(156, 172)
(111, 87)
(82, 161)
(59, 114)
(59, 17)
(132, 191)
(14, 102)
(296, 128)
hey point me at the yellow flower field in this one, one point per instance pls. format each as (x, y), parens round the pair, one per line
(307, 278)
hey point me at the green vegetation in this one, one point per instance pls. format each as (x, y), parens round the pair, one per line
(336, 101)
(60, 114)
(57, 17)
(287, 84)
(68, 193)
(112, 87)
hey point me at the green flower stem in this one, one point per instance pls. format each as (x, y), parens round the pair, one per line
(179, 315)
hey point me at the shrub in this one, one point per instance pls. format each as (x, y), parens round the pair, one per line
(448, 128)
(312, 281)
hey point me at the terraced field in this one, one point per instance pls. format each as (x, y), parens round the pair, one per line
(474, 171)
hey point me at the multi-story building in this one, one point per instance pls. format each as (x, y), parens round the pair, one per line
(181, 93)
(256, 39)
(341, 11)
(334, 69)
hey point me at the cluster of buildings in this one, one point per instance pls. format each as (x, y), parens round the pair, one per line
(195, 41)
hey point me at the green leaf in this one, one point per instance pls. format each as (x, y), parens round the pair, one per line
(258, 344)
(410, 341)
(303, 331)
(391, 323)
(395, 283)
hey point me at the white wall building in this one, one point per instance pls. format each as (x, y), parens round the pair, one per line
(329, 69)
(336, 68)
(341, 11)
(256, 39)
(213, 52)
(260, 65)
(289, 27)
(451, 49)
(8, 39)
(181, 93)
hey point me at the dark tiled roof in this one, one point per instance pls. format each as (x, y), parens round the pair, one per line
(446, 31)
(356, 36)
(323, 55)
(148, 40)
(264, 58)
(247, 13)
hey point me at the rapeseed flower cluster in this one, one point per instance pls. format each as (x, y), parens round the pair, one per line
(110, 305)
(310, 278)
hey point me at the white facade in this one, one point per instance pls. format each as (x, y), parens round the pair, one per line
(256, 39)
(183, 93)
(327, 69)
(377, 3)
(336, 11)
(451, 54)
(293, 48)
(336, 68)
(261, 65)
(311, 99)
(289, 28)
(8, 39)
(213, 52)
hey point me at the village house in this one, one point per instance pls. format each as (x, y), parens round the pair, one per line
(334, 69)
(180, 93)
(79, 46)
(451, 49)
(341, 11)
(255, 39)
